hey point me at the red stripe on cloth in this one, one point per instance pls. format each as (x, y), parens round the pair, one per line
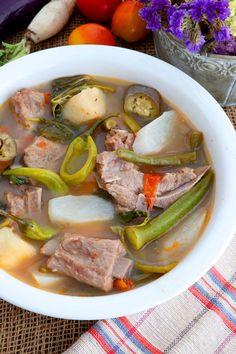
(213, 307)
(134, 331)
(121, 340)
(223, 280)
(216, 292)
(101, 341)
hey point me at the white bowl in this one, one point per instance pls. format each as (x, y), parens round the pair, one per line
(206, 114)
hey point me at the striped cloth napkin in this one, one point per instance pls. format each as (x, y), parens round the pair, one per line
(202, 320)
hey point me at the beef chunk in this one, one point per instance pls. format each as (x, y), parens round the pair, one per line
(15, 204)
(89, 260)
(174, 185)
(122, 180)
(173, 180)
(122, 268)
(43, 153)
(118, 138)
(28, 103)
(29, 200)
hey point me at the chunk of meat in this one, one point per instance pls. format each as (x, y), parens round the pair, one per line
(122, 180)
(50, 246)
(122, 268)
(28, 201)
(185, 183)
(43, 153)
(118, 138)
(173, 180)
(33, 199)
(89, 260)
(28, 103)
(15, 204)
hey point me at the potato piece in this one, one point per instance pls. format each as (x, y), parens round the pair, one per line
(85, 106)
(13, 249)
(157, 135)
(48, 279)
(74, 210)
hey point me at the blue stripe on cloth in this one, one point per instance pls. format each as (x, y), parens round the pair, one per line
(216, 302)
(129, 336)
(221, 286)
(105, 335)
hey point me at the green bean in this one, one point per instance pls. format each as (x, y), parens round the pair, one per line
(154, 268)
(171, 160)
(109, 124)
(195, 139)
(131, 123)
(139, 236)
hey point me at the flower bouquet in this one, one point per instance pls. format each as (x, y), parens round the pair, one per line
(199, 37)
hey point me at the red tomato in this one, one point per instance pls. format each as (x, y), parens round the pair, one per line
(91, 33)
(98, 10)
(126, 22)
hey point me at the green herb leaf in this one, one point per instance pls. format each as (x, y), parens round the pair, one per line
(19, 181)
(11, 52)
(131, 215)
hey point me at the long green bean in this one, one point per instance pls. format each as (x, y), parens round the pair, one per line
(138, 236)
(171, 160)
(161, 269)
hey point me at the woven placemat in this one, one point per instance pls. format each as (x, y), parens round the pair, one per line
(21, 331)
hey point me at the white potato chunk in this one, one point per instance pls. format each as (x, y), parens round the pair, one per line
(157, 135)
(13, 249)
(89, 104)
(177, 242)
(74, 210)
(46, 280)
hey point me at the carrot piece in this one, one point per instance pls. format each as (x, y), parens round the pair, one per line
(42, 144)
(4, 129)
(151, 182)
(173, 246)
(47, 97)
(123, 284)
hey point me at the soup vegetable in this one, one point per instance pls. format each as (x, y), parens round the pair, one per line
(104, 185)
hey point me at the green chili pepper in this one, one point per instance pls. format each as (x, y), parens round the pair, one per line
(51, 179)
(77, 148)
(138, 236)
(195, 140)
(171, 160)
(154, 268)
(131, 123)
(30, 228)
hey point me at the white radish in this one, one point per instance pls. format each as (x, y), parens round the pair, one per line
(87, 105)
(14, 251)
(46, 280)
(157, 135)
(74, 210)
(50, 20)
(179, 241)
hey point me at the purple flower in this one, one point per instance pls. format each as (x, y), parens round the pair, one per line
(228, 47)
(195, 44)
(152, 18)
(192, 21)
(176, 19)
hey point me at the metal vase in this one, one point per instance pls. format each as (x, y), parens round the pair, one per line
(217, 73)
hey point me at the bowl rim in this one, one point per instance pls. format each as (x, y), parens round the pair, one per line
(169, 285)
